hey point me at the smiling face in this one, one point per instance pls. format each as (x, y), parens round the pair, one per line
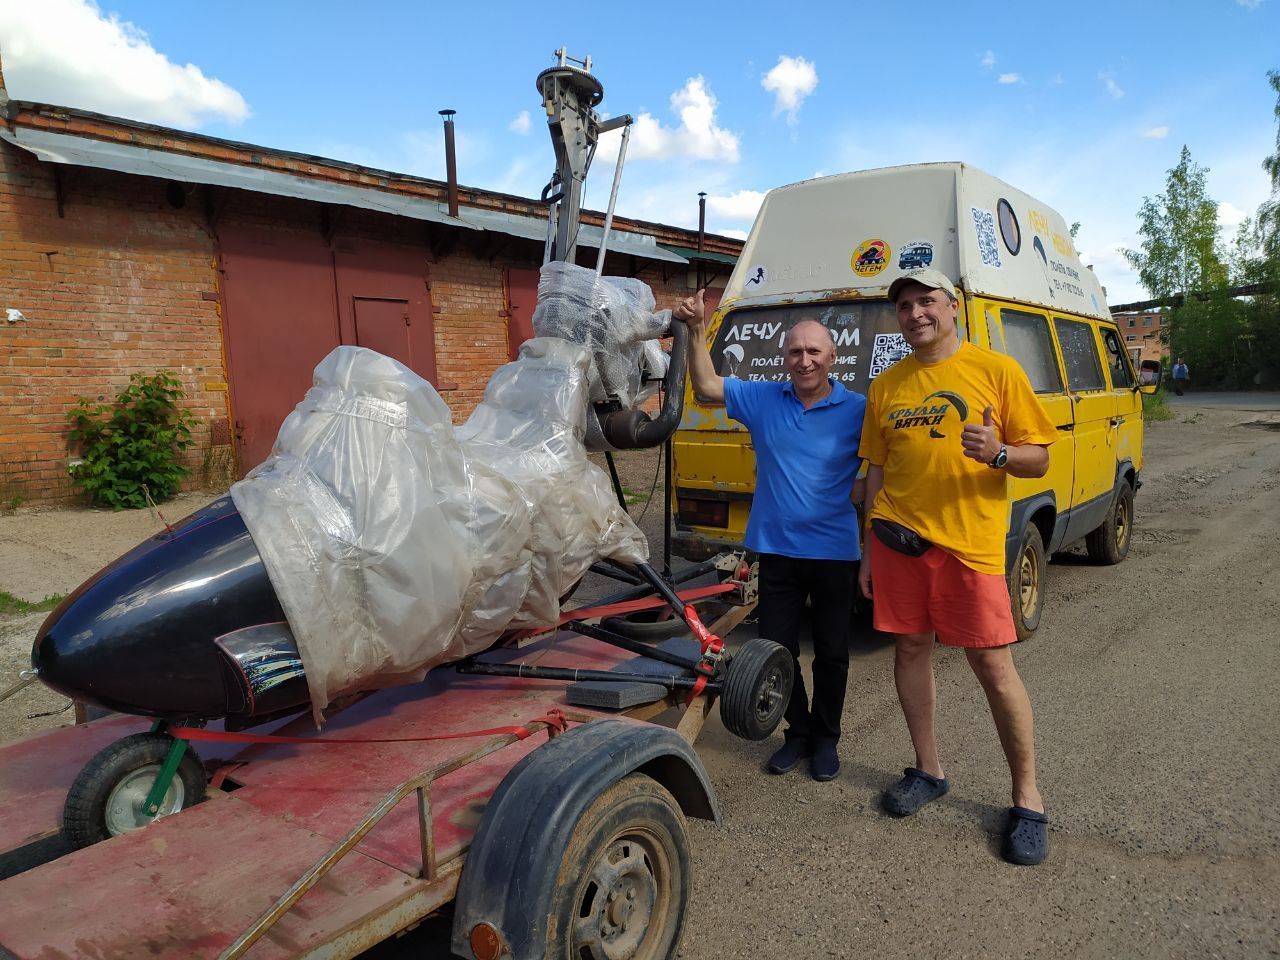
(808, 355)
(927, 318)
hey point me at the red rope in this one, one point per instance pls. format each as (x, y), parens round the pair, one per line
(553, 718)
(629, 606)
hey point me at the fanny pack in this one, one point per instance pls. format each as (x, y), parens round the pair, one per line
(901, 539)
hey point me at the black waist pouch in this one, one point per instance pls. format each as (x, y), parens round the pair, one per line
(897, 537)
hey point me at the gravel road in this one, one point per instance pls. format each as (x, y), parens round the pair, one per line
(1154, 685)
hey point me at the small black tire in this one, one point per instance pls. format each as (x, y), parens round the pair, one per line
(1027, 581)
(107, 795)
(1109, 544)
(638, 626)
(757, 686)
(625, 878)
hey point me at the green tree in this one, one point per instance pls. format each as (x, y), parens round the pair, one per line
(1269, 212)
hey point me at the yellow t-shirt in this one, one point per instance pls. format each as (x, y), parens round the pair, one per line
(915, 414)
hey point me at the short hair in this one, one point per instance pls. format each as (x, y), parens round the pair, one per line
(831, 336)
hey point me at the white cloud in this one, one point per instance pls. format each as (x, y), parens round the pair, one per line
(1154, 133)
(1250, 5)
(1010, 78)
(790, 81)
(521, 123)
(1057, 80)
(1230, 216)
(68, 53)
(736, 234)
(1113, 88)
(988, 59)
(698, 136)
(742, 205)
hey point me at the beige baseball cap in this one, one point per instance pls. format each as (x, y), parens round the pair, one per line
(926, 277)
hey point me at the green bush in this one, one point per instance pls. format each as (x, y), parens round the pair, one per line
(1155, 406)
(132, 448)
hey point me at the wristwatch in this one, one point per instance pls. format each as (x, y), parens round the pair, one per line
(1000, 459)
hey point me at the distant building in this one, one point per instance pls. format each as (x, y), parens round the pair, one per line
(127, 247)
(1143, 333)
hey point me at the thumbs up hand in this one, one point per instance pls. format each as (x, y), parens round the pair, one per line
(980, 441)
(691, 310)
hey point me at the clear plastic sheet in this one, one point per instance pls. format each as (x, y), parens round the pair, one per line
(396, 543)
(613, 317)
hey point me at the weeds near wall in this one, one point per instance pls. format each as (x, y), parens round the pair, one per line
(132, 448)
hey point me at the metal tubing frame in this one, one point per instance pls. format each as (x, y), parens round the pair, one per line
(573, 674)
(421, 785)
(613, 195)
(630, 645)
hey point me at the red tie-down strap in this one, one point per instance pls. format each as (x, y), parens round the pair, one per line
(712, 652)
(553, 718)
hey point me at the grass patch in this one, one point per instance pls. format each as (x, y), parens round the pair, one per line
(11, 604)
(634, 496)
(1155, 406)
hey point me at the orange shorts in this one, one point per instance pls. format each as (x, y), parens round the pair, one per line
(937, 593)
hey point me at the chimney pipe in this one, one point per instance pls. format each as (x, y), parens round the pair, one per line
(450, 161)
(702, 232)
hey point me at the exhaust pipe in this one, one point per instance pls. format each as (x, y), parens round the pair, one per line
(450, 161)
(633, 429)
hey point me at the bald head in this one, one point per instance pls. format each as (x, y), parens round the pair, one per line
(809, 323)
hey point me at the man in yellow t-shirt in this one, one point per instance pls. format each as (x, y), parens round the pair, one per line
(944, 429)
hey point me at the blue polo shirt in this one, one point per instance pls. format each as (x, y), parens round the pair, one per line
(806, 462)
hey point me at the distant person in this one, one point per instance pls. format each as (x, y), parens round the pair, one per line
(937, 495)
(1181, 376)
(803, 524)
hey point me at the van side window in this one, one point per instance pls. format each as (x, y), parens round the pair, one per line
(1026, 339)
(1117, 362)
(1080, 353)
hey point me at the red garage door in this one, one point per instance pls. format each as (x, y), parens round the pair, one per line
(290, 298)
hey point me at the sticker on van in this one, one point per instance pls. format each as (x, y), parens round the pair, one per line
(758, 276)
(915, 254)
(887, 350)
(984, 226)
(870, 257)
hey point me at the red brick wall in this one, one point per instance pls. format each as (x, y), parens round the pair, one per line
(124, 282)
(115, 285)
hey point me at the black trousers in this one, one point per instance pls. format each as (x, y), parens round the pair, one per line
(829, 585)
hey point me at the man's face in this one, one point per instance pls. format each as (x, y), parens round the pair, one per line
(926, 316)
(808, 355)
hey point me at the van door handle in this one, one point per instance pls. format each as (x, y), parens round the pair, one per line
(1066, 426)
(1116, 421)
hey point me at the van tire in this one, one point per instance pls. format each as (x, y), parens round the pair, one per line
(1026, 582)
(1109, 544)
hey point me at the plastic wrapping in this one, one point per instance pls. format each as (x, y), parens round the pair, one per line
(395, 543)
(613, 318)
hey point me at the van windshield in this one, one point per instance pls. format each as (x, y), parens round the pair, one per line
(749, 343)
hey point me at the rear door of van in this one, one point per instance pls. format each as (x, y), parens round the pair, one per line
(1126, 420)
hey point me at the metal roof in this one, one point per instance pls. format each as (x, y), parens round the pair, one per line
(80, 151)
(692, 253)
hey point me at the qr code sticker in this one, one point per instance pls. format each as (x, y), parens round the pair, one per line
(984, 224)
(887, 350)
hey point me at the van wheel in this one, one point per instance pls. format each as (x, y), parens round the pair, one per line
(1026, 582)
(1110, 542)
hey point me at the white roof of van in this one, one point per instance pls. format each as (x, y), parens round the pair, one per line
(858, 232)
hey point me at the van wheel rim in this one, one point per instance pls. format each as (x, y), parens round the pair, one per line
(1029, 583)
(1122, 524)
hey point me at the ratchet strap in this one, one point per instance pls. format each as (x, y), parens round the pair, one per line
(553, 718)
(631, 606)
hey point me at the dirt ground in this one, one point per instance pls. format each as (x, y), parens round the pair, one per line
(1154, 685)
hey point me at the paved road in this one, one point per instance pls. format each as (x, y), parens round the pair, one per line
(1259, 401)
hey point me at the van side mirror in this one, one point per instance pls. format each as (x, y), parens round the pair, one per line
(1149, 374)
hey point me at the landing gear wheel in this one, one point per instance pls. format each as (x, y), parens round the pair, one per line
(1110, 542)
(644, 626)
(623, 888)
(1026, 582)
(107, 796)
(757, 686)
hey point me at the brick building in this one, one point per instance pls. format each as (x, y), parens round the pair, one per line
(1143, 334)
(130, 248)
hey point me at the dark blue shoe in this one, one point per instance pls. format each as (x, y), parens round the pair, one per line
(788, 756)
(825, 764)
(913, 791)
(1027, 840)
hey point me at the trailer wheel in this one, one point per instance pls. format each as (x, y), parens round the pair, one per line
(1110, 542)
(623, 887)
(756, 689)
(106, 797)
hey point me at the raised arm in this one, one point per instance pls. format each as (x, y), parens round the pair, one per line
(708, 386)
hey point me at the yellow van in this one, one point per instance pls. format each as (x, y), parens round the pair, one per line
(828, 249)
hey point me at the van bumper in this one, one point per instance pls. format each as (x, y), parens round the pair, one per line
(695, 547)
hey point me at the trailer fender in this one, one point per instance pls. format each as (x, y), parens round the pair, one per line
(511, 869)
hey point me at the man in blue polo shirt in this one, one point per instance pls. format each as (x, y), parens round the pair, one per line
(805, 433)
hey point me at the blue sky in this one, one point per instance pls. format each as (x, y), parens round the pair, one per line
(1083, 105)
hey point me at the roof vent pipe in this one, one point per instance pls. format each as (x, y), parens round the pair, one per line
(450, 161)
